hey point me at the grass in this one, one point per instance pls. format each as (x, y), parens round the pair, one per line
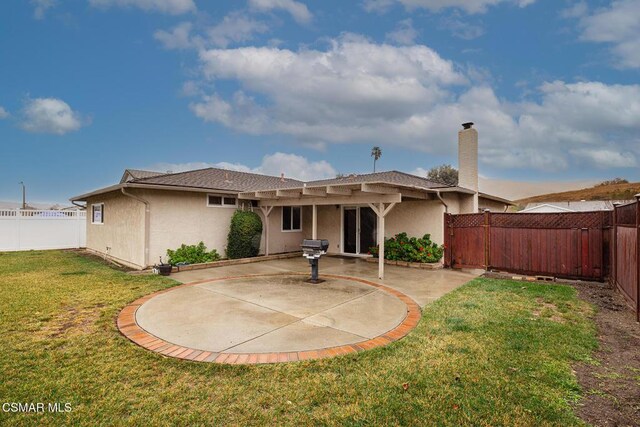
(492, 352)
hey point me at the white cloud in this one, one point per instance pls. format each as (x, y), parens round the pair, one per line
(357, 91)
(41, 7)
(461, 29)
(3, 113)
(378, 6)
(179, 37)
(173, 7)
(236, 27)
(49, 115)
(292, 165)
(404, 34)
(469, 6)
(617, 25)
(296, 9)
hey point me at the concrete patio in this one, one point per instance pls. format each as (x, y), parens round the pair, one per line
(279, 313)
(423, 286)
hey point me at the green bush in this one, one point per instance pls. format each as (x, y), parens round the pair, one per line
(410, 249)
(193, 254)
(244, 235)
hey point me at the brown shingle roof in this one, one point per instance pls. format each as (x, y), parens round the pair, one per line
(390, 177)
(132, 174)
(220, 179)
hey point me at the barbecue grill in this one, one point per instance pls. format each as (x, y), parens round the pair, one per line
(313, 249)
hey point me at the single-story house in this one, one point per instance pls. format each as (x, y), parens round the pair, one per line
(135, 221)
(572, 206)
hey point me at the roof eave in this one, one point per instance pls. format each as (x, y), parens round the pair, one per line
(84, 197)
(496, 199)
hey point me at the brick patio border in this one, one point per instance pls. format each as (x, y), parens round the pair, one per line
(126, 323)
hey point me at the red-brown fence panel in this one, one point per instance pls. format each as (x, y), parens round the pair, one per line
(465, 241)
(626, 253)
(574, 245)
(626, 268)
(569, 245)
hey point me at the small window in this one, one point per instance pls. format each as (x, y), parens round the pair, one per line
(97, 213)
(215, 200)
(291, 218)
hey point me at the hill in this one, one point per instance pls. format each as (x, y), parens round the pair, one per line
(625, 191)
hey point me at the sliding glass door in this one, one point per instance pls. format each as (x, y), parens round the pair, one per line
(359, 230)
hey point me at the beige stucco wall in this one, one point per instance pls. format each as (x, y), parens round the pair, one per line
(178, 217)
(329, 226)
(285, 241)
(122, 231)
(417, 218)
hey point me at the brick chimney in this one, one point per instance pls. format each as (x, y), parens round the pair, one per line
(468, 162)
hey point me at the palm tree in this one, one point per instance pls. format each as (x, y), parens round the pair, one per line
(376, 153)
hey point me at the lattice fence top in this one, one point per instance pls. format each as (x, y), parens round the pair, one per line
(467, 220)
(39, 214)
(626, 214)
(564, 220)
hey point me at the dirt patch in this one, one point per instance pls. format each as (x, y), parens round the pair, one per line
(101, 260)
(611, 385)
(548, 311)
(71, 321)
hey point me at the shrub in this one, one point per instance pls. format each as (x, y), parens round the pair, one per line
(244, 235)
(193, 254)
(410, 249)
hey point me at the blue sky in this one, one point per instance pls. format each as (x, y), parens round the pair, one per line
(89, 88)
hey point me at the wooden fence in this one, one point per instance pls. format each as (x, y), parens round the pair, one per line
(625, 271)
(572, 245)
(568, 245)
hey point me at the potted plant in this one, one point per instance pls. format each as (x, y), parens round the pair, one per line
(163, 269)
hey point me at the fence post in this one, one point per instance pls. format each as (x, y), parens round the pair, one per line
(638, 257)
(613, 256)
(487, 239)
(447, 241)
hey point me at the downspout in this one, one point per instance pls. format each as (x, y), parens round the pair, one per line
(146, 223)
(446, 207)
(80, 206)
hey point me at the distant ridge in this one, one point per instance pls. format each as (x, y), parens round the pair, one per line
(601, 192)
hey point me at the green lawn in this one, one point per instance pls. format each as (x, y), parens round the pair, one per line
(493, 352)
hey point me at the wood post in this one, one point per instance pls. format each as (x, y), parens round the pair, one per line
(314, 222)
(613, 252)
(638, 258)
(381, 211)
(381, 242)
(266, 210)
(447, 240)
(487, 239)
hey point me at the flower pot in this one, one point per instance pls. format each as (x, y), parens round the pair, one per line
(164, 269)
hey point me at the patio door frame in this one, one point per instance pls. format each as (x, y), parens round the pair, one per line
(358, 252)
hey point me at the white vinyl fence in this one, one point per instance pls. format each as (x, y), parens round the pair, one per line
(40, 229)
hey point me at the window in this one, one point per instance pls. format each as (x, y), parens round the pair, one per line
(291, 218)
(226, 201)
(97, 213)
